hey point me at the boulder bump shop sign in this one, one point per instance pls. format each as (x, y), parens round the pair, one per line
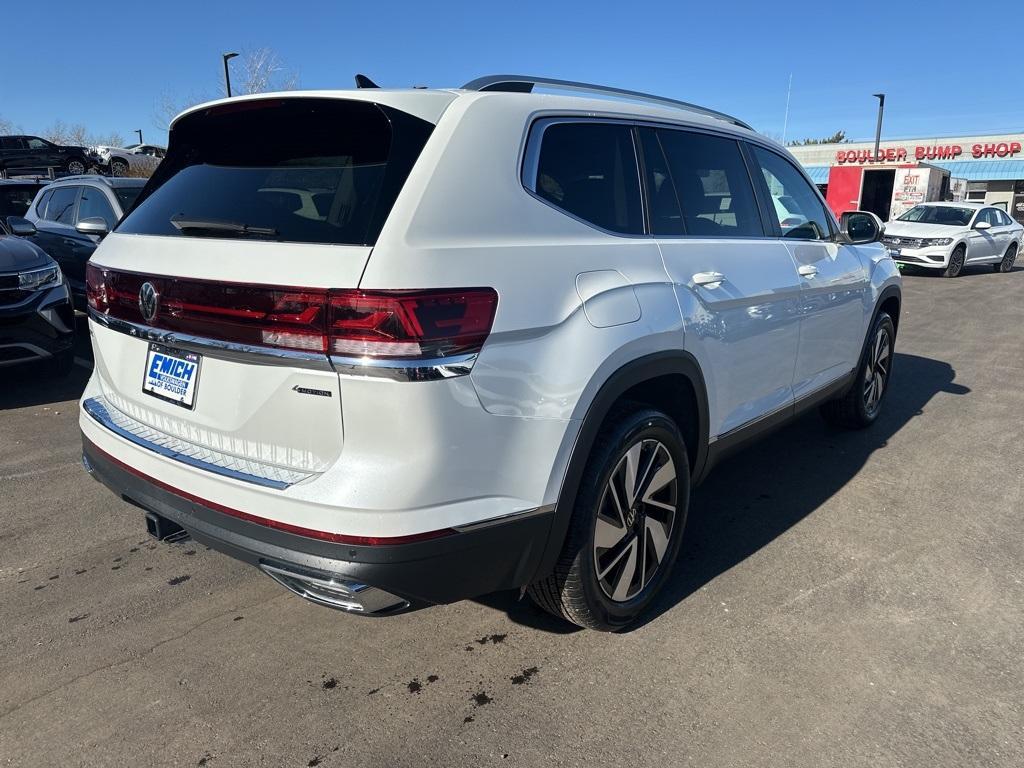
(979, 151)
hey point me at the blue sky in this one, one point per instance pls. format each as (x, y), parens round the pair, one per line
(944, 74)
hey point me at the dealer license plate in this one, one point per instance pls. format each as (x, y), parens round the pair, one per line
(172, 375)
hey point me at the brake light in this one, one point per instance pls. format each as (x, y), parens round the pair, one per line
(420, 324)
(350, 323)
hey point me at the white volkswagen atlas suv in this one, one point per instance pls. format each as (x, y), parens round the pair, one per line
(403, 347)
(950, 236)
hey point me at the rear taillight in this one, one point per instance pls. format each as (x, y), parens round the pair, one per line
(346, 323)
(419, 324)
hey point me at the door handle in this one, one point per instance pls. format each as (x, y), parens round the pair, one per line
(808, 270)
(708, 279)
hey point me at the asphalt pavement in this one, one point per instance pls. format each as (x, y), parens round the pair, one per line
(842, 599)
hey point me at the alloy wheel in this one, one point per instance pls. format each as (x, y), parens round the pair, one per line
(876, 373)
(635, 519)
(76, 168)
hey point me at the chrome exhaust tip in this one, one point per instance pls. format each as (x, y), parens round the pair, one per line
(335, 592)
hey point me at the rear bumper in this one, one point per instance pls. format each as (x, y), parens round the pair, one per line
(463, 563)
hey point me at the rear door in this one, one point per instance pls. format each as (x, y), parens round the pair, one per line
(834, 277)
(218, 265)
(737, 285)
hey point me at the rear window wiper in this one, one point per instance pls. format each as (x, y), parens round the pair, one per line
(221, 227)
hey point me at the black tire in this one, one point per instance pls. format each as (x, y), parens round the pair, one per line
(1008, 258)
(956, 262)
(118, 168)
(61, 364)
(576, 591)
(855, 409)
(76, 166)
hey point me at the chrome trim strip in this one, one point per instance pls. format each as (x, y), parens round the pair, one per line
(544, 510)
(182, 451)
(223, 350)
(335, 592)
(405, 369)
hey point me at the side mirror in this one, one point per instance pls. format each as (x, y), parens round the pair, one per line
(982, 226)
(21, 227)
(859, 227)
(93, 225)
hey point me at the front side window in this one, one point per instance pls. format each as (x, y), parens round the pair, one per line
(299, 170)
(61, 207)
(711, 184)
(41, 205)
(37, 144)
(793, 200)
(589, 169)
(94, 205)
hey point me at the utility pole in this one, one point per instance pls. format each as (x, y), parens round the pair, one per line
(785, 121)
(227, 74)
(878, 128)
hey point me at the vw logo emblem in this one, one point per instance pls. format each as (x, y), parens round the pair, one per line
(149, 301)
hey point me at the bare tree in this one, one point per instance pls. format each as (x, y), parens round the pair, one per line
(6, 126)
(263, 71)
(78, 135)
(57, 132)
(258, 70)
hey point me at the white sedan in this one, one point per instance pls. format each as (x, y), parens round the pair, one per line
(134, 160)
(950, 236)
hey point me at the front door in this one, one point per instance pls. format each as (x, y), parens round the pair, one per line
(737, 287)
(834, 277)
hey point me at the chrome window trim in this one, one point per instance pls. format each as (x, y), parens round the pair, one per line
(97, 408)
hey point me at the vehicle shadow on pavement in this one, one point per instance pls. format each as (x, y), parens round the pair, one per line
(752, 498)
(35, 384)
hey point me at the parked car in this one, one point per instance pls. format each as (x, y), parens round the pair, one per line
(498, 354)
(950, 236)
(137, 159)
(37, 321)
(16, 195)
(72, 215)
(32, 154)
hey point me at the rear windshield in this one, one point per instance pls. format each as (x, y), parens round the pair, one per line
(16, 198)
(293, 170)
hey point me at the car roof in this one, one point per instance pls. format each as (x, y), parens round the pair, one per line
(954, 204)
(430, 103)
(119, 181)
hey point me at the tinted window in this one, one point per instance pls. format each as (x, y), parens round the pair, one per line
(712, 185)
(9, 142)
(37, 144)
(662, 202)
(228, 165)
(61, 207)
(589, 170)
(127, 196)
(939, 214)
(15, 199)
(41, 205)
(94, 205)
(794, 201)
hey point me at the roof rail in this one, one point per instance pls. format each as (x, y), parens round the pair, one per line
(525, 84)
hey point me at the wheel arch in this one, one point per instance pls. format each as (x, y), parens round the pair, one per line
(671, 381)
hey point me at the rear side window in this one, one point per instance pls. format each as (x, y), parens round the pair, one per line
(293, 170)
(94, 205)
(589, 169)
(794, 201)
(711, 184)
(61, 207)
(127, 196)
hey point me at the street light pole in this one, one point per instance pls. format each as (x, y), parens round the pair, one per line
(878, 128)
(139, 131)
(227, 74)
